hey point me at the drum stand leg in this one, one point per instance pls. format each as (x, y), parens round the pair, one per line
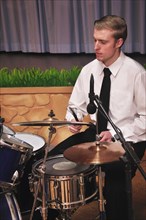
(64, 215)
(42, 177)
(35, 199)
(101, 200)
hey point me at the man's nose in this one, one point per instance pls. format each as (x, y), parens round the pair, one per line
(96, 45)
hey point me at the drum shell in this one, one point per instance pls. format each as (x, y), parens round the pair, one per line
(13, 156)
(24, 196)
(38, 144)
(10, 163)
(66, 191)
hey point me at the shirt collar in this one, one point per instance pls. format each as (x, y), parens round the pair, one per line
(114, 67)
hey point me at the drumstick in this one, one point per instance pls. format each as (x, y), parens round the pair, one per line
(74, 114)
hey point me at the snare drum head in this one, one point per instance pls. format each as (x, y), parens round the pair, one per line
(59, 166)
(7, 130)
(34, 140)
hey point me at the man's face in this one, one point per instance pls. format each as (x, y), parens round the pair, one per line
(107, 48)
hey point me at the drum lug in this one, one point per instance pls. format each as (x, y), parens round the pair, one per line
(31, 183)
(81, 182)
(15, 176)
(22, 159)
(55, 190)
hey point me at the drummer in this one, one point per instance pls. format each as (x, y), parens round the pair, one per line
(127, 107)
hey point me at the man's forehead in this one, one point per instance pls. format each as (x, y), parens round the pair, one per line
(103, 33)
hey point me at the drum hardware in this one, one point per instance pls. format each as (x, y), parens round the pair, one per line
(51, 115)
(11, 185)
(9, 208)
(7, 187)
(82, 195)
(42, 170)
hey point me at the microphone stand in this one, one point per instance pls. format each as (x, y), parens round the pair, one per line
(129, 156)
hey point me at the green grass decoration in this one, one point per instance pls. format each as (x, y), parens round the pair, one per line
(35, 77)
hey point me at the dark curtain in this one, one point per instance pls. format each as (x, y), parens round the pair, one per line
(66, 26)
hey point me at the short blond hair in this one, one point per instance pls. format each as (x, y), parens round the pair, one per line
(115, 23)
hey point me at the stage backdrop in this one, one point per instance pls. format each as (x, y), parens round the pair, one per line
(66, 26)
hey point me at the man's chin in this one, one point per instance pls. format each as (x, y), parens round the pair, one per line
(99, 58)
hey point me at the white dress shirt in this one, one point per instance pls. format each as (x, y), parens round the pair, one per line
(127, 107)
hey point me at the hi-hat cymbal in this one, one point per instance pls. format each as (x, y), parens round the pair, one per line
(94, 152)
(50, 122)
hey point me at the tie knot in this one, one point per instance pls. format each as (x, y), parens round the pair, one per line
(107, 72)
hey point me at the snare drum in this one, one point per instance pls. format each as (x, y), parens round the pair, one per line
(67, 184)
(24, 196)
(13, 155)
(9, 209)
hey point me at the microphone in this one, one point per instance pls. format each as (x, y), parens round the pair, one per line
(91, 108)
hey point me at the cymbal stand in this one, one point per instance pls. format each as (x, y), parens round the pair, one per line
(64, 214)
(101, 174)
(42, 170)
(101, 200)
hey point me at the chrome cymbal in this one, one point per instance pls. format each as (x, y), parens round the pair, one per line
(50, 122)
(94, 152)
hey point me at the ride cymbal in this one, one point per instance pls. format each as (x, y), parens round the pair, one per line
(94, 152)
(50, 122)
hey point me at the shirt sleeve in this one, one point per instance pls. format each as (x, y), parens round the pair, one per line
(134, 127)
(77, 100)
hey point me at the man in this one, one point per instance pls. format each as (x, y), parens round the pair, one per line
(127, 107)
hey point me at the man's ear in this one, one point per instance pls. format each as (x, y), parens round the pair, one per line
(119, 42)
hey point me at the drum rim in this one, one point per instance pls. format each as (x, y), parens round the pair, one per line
(34, 135)
(21, 144)
(12, 132)
(36, 165)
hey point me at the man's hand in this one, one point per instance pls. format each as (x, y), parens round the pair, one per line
(105, 136)
(75, 128)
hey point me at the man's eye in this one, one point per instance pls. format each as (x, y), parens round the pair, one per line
(103, 42)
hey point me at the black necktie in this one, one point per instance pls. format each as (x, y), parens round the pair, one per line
(104, 97)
